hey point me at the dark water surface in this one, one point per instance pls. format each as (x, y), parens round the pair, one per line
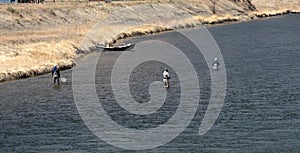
(261, 112)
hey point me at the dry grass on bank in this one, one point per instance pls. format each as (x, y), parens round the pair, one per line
(22, 52)
(215, 19)
(37, 57)
(25, 36)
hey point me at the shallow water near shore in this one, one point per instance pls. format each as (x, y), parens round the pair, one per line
(261, 112)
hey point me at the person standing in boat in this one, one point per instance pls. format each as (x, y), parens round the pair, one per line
(55, 74)
(216, 64)
(166, 77)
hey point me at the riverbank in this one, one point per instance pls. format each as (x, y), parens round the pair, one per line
(35, 36)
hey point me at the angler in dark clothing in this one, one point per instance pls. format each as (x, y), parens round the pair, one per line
(55, 74)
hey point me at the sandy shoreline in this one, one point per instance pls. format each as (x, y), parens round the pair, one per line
(31, 43)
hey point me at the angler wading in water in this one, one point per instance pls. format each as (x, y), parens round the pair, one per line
(55, 74)
(166, 77)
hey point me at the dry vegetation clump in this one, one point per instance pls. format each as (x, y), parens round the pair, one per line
(27, 53)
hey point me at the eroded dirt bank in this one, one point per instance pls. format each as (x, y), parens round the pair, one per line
(35, 36)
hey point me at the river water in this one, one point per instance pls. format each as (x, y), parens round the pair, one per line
(261, 111)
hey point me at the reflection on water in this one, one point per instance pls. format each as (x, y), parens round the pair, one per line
(260, 114)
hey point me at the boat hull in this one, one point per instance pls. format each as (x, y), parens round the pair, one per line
(119, 48)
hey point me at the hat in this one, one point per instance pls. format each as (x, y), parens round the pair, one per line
(216, 59)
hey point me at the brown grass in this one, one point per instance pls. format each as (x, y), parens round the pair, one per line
(24, 51)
